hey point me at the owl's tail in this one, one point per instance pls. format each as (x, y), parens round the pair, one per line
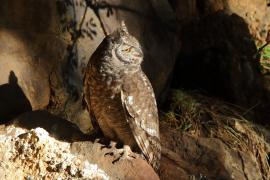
(155, 152)
(149, 145)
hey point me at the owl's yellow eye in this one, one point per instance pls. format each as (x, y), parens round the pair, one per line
(124, 48)
(128, 49)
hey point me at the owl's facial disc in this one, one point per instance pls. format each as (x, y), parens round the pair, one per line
(129, 54)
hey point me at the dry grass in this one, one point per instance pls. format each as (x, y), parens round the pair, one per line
(208, 117)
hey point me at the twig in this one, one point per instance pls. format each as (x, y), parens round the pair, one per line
(251, 108)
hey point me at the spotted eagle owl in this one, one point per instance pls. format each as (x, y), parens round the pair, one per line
(120, 97)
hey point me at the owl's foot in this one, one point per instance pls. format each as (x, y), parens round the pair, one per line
(121, 154)
(124, 154)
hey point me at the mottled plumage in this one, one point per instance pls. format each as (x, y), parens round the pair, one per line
(120, 96)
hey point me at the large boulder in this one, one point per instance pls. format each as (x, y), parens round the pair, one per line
(219, 55)
(42, 145)
(27, 51)
(208, 158)
(48, 52)
(255, 13)
(219, 50)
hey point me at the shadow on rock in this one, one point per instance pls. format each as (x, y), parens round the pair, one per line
(57, 127)
(219, 56)
(12, 99)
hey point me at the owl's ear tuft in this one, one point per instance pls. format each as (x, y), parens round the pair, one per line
(124, 27)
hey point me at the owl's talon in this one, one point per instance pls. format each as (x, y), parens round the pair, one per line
(123, 154)
(112, 145)
(109, 153)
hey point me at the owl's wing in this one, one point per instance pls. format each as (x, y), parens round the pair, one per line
(144, 125)
(86, 101)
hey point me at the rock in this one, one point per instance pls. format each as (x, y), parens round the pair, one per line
(189, 10)
(209, 158)
(124, 169)
(34, 154)
(57, 127)
(9, 94)
(219, 56)
(31, 79)
(45, 146)
(48, 51)
(255, 13)
(28, 49)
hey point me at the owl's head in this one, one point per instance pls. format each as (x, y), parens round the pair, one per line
(127, 49)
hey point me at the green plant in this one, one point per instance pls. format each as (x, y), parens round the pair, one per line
(264, 52)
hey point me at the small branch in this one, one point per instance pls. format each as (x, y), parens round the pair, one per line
(95, 6)
(100, 21)
(263, 46)
(251, 108)
(83, 18)
(267, 42)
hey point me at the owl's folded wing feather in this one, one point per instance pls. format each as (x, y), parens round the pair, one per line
(145, 133)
